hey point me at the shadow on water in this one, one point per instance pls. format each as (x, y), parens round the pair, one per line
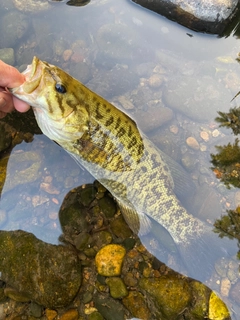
(147, 64)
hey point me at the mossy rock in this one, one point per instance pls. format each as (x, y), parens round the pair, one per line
(47, 274)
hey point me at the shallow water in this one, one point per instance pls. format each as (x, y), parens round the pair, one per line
(141, 62)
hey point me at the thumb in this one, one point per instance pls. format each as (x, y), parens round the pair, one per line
(10, 76)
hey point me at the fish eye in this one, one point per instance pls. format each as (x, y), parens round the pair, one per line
(60, 88)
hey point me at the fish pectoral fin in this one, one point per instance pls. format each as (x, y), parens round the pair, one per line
(137, 221)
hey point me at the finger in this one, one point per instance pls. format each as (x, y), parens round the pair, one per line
(20, 105)
(6, 102)
(10, 76)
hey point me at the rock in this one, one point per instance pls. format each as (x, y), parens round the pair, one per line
(171, 293)
(198, 98)
(50, 314)
(120, 228)
(192, 143)
(7, 55)
(217, 308)
(211, 16)
(153, 118)
(15, 26)
(136, 303)
(108, 307)
(32, 6)
(235, 292)
(118, 42)
(22, 168)
(117, 287)
(109, 260)
(47, 274)
(71, 314)
(107, 206)
(155, 81)
(5, 135)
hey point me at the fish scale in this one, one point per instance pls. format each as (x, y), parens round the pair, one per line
(108, 143)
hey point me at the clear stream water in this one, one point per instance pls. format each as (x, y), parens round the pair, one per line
(141, 62)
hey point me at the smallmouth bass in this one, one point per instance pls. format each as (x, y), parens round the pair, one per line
(108, 143)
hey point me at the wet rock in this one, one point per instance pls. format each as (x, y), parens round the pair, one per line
(16, 295)
(118, 42)
(109, 260)
(120, 228)
(198, 98)
(136, 303)
(235, 292)
(155, 81)
(102, 238)
(71, 314)
(153, 118)
(189, 161)
(171, 293)
(32, 6)
(201, 295)
(95, 316)
(35, 310)
(117, 287)
(192, 143)
(5, 135)
(22, 168)
(7, 55)
(209, 16)
(108, 307)
(50, 314)
(15, 26)
(48, 274)
(108, 206)
(217, 308)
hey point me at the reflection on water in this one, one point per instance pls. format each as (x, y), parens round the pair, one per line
(172, 84)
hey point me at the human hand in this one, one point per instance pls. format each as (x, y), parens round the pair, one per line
(10, 77)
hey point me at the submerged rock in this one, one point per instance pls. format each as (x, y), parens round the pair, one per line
(211, 16)
(32, 6)
(15, 26)
(48, 274)
(171, 293)
(198, 98)
(109, 260)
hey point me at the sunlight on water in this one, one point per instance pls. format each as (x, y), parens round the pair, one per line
(171, 80)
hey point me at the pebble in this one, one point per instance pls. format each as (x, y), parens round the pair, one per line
(109, 260)
(71, 314)
(225, 287)
(49, 188)
(127, 104)
(50, 314)
(174, 129)
(204, 135)
(117, 287)
(155, 81)
(67, 54)
(192, 143)
(215, 133)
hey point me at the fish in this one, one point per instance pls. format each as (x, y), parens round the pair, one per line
(108, 143)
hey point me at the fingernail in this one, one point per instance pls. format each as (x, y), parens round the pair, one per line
(2, 102)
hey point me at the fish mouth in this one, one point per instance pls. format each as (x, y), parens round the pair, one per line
(33, 76)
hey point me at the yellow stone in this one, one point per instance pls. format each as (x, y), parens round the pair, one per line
(109, 260)
(217, 308)
(51, 314)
